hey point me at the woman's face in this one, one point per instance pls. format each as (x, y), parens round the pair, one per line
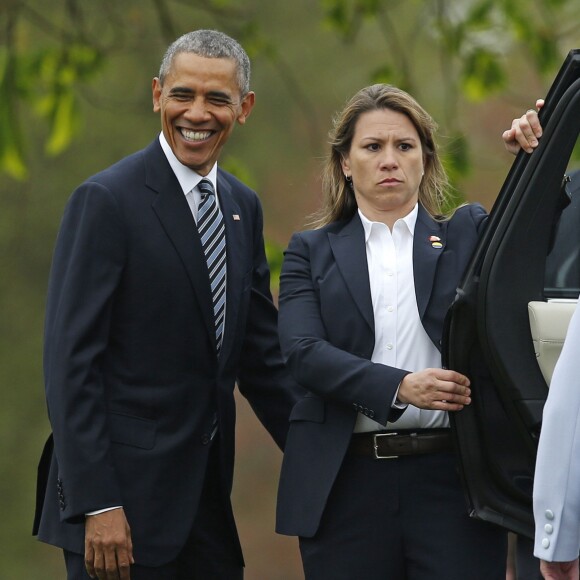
(385, 162)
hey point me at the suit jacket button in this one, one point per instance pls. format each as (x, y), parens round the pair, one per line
(205, 439)
(549, 514)
(545, 543)
(371, 414)
(548, 528)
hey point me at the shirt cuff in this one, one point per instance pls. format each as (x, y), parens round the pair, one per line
(396, 404)
(97, 512)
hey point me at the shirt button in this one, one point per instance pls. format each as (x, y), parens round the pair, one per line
(389, 346)
(389, 272)
(545, 543)
(549, 514)
(548, 528)
(390, 308)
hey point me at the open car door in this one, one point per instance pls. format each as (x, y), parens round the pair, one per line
(510, 315)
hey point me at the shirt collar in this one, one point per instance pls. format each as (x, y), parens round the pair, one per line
(188, 178)
(409, 220)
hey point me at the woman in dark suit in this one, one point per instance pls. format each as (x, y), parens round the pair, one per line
(368, 481)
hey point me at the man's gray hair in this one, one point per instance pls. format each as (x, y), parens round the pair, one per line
(210, 44)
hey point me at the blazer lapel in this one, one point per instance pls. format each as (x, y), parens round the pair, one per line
(426, 252)
(236, 246)
(349, 250)
(175, 216)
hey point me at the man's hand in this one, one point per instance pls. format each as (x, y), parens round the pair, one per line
(524, 132)
(435, 389)
(559, 570)
(108, 546)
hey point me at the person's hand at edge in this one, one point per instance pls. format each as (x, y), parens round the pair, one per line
(525, 131)
(108, 546)
(559, 570)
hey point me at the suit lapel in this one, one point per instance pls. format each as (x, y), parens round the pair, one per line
(349, 250)
(426, 256)
(175, 216)
(235, 245)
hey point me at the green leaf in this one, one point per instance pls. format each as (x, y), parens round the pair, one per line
(480, 14)
(456, 157)
(369, 7)
(557, 3)
(383, 74)
(64, 123)
(11, 153)
(339, 18)
(275, 257)
(255, 42)
(236, 166)
(482, 75)
(544, 47)
(12, 161)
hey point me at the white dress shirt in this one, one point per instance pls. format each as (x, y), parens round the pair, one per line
(400, 339)
(188, 178)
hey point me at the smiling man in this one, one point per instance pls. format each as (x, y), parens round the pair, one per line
(158, 304)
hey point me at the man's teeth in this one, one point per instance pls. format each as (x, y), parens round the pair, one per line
(195, 135)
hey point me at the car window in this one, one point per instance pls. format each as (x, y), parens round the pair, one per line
(562, 274)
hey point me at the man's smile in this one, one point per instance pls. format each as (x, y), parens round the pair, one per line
(195, 136)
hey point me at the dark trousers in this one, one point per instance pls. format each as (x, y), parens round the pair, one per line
(527, 566)
(210, 553)
(402, 519)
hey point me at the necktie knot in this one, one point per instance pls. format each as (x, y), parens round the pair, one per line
(205, 187)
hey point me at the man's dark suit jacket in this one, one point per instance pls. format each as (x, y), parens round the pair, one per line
(132, 375)
(326, 328)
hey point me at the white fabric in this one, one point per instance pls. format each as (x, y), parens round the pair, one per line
(188, 178)
(557, 478)
(400, 339)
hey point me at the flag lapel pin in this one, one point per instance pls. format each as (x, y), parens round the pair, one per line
(436, 242)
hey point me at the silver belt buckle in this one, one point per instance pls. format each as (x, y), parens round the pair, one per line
(376, 446)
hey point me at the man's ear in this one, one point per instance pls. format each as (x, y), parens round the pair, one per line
(246, 107)
(156, 89)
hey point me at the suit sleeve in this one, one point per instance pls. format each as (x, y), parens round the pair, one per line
(314, 361)
(557, 477)
(86, 268)
(263, 378)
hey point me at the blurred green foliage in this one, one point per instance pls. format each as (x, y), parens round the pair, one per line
(75, 97)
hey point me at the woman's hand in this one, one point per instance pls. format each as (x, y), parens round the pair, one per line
(525, 131)
(435, 389)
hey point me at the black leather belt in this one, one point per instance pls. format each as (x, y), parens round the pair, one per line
(393, 444)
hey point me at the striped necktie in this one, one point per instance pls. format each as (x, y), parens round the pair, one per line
(210, 224)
